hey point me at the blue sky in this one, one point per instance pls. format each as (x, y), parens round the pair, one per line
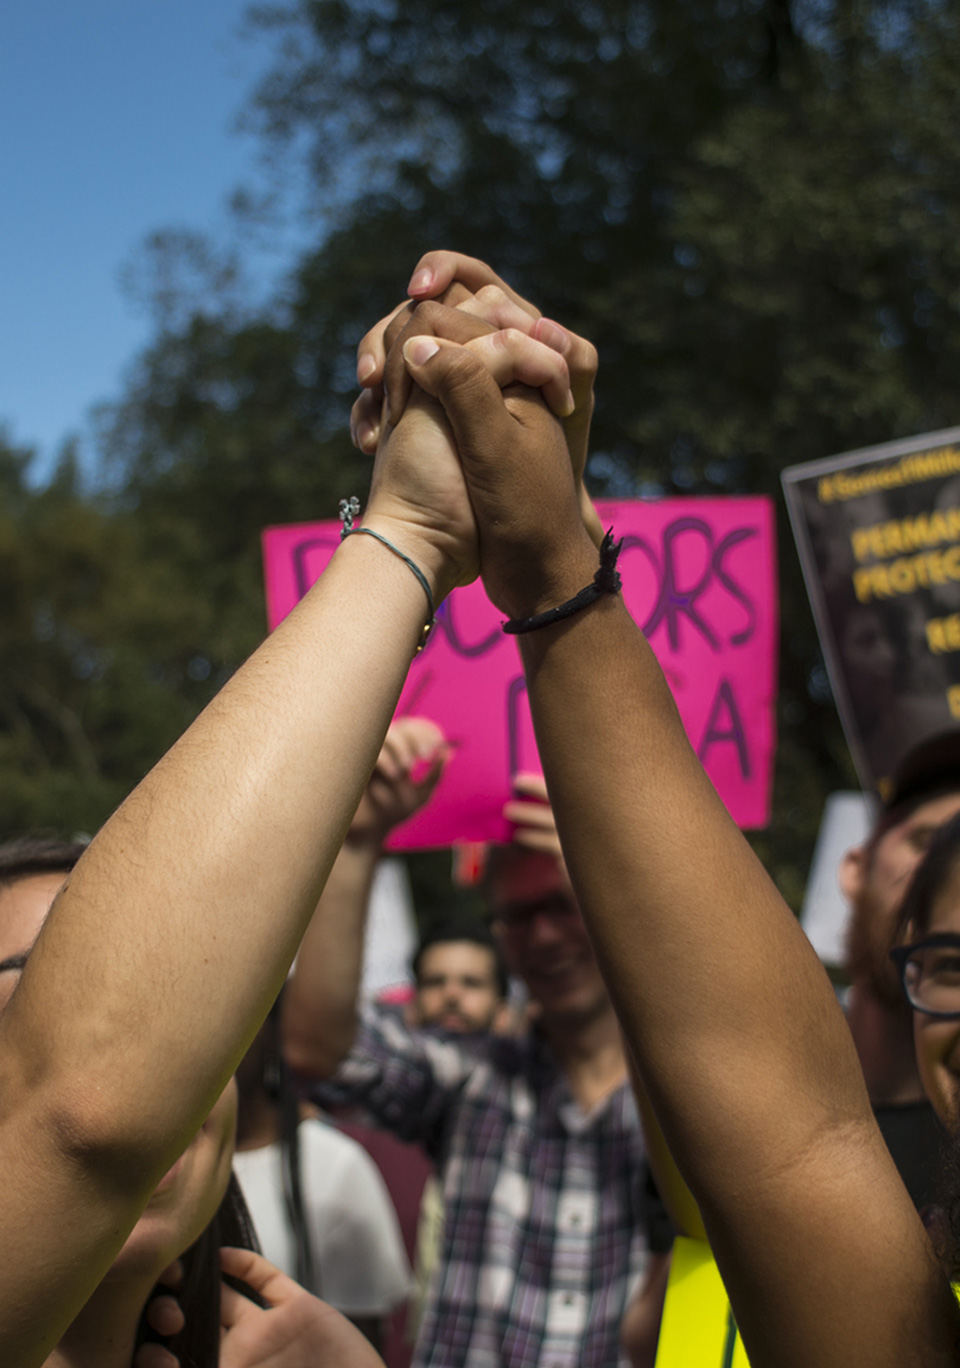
(117, 117)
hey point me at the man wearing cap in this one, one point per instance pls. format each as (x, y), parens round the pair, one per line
(925, 793)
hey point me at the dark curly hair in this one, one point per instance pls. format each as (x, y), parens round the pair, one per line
(931, 877)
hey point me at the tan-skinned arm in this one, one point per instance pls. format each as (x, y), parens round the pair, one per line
(320, 1001)
(741, 1045)
(536, 829)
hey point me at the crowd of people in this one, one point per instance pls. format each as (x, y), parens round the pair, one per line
(662, 975)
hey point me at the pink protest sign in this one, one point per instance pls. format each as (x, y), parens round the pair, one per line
(699, 576)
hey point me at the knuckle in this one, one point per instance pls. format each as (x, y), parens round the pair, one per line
(585, 357)
(509, 340)
(471, 264)
(427, 314)
(360, 410)
(463, 370)
(440, 256)
(455, 295)
(492, 295)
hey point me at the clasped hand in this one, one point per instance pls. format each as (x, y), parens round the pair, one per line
(472, 465)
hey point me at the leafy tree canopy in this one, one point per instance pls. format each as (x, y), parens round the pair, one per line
(751, 206)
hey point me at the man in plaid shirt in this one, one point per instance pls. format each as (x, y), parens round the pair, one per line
(536, 1137)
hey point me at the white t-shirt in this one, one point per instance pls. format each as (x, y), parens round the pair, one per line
(359, 1253)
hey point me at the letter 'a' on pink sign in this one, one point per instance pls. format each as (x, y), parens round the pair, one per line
(699, 577)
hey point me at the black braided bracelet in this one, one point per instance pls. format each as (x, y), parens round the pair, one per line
(605, 581)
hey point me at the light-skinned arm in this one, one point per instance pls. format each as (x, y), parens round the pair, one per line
(175, 931)
(320, 1004)
(740, 1042)
(161, 956)
(320, 1001)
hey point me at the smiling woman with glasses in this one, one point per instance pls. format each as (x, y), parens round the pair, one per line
(929, 965)
(930, 974)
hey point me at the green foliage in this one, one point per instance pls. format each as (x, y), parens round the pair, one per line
(99, 645)
(751, 206)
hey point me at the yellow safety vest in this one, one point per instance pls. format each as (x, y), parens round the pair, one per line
(698, 1329)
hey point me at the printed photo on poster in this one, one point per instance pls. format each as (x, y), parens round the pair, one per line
(878, 532)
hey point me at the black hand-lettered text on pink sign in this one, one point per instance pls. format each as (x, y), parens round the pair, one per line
(699, 577)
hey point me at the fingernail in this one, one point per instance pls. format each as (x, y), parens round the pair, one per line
(568, 405)
(420, 281)
(366, 365)
(419, 350)
(553, 336)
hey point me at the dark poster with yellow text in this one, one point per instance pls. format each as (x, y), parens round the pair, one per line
(878, 532)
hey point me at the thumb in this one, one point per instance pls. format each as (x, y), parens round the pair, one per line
(470, 396)
(263, 1277)
(517, 468)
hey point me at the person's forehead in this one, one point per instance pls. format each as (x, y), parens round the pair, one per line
(457, 957)
(527, 877)
(23, 908)
(927, 816)
(945, 911)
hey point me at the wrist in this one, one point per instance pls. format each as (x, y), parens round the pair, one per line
(553, 581)
(424, 547)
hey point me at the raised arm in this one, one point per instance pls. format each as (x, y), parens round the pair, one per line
(160, 958)
(535, 828)
(320, 1001)
(481, 300)
(737, 1034)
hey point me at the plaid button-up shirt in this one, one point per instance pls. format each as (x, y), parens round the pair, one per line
(543, 1236)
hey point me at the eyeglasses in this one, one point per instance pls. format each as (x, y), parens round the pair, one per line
(930, 973)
